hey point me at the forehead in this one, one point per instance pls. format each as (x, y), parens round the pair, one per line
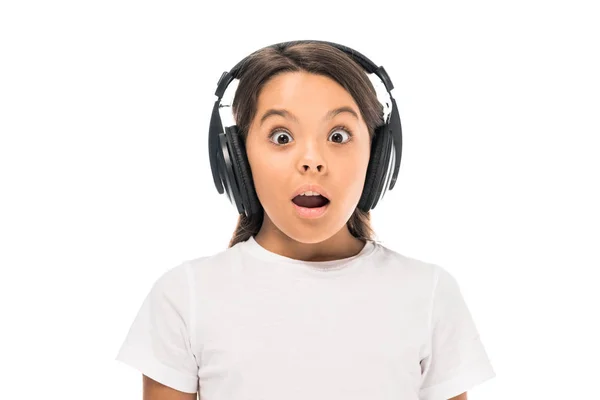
(304, 91)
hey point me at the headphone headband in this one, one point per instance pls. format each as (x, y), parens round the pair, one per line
(368, 65)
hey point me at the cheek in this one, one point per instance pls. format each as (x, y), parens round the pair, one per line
(269, 178)
(352, 170)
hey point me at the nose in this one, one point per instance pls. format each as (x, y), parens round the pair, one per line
(312, 160)
(307, 167)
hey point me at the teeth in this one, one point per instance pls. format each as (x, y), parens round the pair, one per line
(309, 193)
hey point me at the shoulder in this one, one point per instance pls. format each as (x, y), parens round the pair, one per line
(180, 281)
(218, 262)
(208, 273)
(418, 271)
(420, 277)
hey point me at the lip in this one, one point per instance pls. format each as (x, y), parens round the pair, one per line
(311, 213)
(313, 188)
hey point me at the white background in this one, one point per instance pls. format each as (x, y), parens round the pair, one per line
(105, 179)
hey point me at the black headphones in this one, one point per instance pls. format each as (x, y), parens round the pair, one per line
(229, 163)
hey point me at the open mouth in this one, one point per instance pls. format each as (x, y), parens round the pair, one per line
(310, 201)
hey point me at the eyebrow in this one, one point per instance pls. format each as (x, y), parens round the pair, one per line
(289, 115)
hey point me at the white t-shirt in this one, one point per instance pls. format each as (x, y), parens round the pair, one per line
(250, 324)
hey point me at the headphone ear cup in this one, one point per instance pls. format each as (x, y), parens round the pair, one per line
(367, 197)
(241, 166)
(379, 181)
(224, 170)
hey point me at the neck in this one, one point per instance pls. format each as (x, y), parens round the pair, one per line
(340, 245)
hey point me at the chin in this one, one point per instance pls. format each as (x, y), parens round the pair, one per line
(312, 231)
(308, 237)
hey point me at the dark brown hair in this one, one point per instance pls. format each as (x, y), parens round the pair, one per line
(316, 58)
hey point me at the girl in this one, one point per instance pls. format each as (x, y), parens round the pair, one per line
(304, 303)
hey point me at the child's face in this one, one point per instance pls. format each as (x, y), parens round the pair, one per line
(310, 150)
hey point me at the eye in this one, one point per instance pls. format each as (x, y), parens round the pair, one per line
(280, 136)
(340, 133)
